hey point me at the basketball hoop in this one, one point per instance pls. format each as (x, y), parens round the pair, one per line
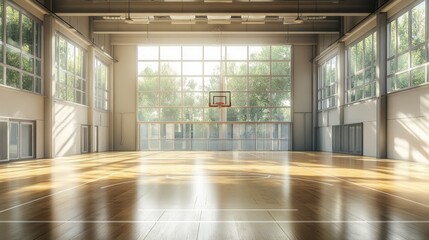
(219, 99)
(220, 104)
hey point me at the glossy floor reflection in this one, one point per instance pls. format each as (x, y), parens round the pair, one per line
(214, 195)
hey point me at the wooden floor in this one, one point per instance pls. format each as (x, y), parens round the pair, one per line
(214, 195)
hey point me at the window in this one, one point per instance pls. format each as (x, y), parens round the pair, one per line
(70, 71)
(101, 84)
(22, 66)
(361, 69)
(407, 49)
(328, 84)
(174, 81)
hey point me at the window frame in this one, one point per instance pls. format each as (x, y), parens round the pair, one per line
(82, 79)
(277, 113)
(393, 81)
(322, 87)
(35, 56)
(371, 68)
(101, 95)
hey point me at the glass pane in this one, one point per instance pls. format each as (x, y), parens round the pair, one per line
(171, 53)
(418, 76)
(27, 34)
(148, 114)
(259, 99)
(259, 68)
(236, 53)
(352, 60)
(192, 53)
(172, 83)
(70, 57)
(148, 68)
(147, 99)
(403, 81)
(281, 114)
(280, 83)
(62, 44)
(1, 75)
(212, 53)
(403, 33)
(281, 53)
(192, 68)
(260, 114)
(212, 68)
(359, 56)
(392, 40)
(148, 53)
(169, 99)
(418, 56)
(27, 63)
(237, 83)
(13, 78)
(259, 83)
(193, 114)
(239, 99)
(259, 52)
(281, 99)
(193, 99)
(192, 84)
(236, 68)
(27, 82)
(171, 68)
(13, 30)
(38, 87)
(417, 26)
(403, 62)
(212, 83)
(13, 57)
(368, 51)
(1, 20)
(235, 114)
(280, 68)
(170, 114)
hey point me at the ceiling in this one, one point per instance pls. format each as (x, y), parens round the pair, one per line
(299, 17)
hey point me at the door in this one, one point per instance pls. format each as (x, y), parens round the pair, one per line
(3, 141)
(26, 140)
(95, 138)
(84, 139)
(21, 140)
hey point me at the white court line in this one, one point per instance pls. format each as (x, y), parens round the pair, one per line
(226, 209)
(363, 186)
(112, 185)
(223, 221)
(62, 191)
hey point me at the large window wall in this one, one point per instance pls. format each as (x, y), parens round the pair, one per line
(173, 90)
(101, 85)
(70, 70)
(328, 84)
(361, 69)
(20, 49)
(407, 48)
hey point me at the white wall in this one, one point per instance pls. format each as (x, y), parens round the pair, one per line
(20, 105)
(125, 84)
(302, 97)
(364, 112)
(69, 118)
(101, 119)
(408, 125)
(326, 119)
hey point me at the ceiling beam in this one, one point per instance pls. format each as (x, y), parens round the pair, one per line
(120, 27)
(103, 8)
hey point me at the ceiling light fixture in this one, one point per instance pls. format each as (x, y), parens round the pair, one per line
(128, 18)
(298, 19)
